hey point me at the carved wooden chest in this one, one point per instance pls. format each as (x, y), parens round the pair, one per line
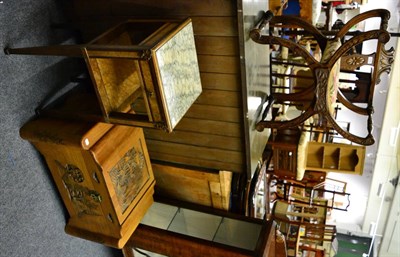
(102, 172)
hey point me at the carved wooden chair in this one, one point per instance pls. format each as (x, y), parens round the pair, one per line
(319, 95)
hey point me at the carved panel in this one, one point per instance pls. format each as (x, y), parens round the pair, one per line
(322, 76)
(128, 176)
(353, 61)
(385, 62)
(86, 201)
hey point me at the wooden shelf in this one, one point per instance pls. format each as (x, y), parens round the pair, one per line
(330, 157)
(348, 159)
(315, 156)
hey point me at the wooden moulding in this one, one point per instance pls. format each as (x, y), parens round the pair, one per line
(58, 132)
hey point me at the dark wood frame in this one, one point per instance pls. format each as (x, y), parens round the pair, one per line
(178, 245)
(382, 61)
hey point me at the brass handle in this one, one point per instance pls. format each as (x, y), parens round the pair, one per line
(109, 217)
(95, 177)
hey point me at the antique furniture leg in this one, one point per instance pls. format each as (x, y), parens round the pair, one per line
(128, 251)
(61, 50)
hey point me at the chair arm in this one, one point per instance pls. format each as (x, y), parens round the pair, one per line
(255, 33)
(382, 13)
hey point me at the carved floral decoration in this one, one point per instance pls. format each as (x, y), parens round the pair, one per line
(128, 177)
(355, 61)
(86, 201)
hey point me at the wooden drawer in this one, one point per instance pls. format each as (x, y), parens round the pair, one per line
(103, 174)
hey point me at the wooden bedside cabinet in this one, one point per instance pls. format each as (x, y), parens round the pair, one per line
(102, 172)
(284, 147)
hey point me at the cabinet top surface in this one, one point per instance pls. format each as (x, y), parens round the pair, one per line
(179, 73)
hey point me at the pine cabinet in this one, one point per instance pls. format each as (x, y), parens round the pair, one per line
(102, 172)
(330, 157)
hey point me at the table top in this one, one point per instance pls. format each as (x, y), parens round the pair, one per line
(179, 73)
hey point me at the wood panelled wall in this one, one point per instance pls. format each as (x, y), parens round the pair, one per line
(211, 135)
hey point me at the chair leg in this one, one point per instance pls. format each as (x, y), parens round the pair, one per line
(271, 101)
(58, 50)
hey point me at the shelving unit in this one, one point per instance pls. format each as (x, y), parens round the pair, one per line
(335, 157)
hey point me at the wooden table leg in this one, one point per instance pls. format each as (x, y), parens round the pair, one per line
(127, 251)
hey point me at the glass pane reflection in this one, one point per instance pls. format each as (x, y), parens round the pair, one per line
(232, 232)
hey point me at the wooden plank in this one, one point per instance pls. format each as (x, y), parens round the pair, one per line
(215, 189)
(219, 64)
(220, 98)
(174, 8)
(217, 113)
(211, 127)
(193, 186)
(196, 162)
(197, 139)
(156, 8)
(221, 81)
(183, 188)
(197, 152)
(215, 26)
(217, 45)
(226, 184)
(186, 172)
(202, 26)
